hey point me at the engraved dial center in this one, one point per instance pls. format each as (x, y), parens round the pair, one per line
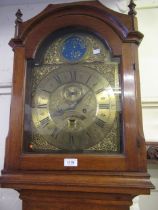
(72, 92)
(76, 108)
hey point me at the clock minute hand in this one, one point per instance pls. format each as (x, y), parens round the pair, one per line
(80, 99)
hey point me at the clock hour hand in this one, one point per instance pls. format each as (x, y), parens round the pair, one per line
(61, 111)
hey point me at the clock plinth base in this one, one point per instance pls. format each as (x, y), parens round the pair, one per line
(49, 200)
(60, 191)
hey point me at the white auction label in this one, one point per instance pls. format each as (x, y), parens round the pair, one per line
(71, 162)
(96, 51)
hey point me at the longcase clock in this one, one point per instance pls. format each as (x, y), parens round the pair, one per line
(75, 138)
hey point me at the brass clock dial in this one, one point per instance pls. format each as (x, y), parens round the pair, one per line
(74, 108)
(74, 100)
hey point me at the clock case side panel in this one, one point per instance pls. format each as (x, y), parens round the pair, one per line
(133, 130)
(15, 134)
(116, 30)
(140, 137)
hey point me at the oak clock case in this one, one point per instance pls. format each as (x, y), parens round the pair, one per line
(75, 137)
(74, 96)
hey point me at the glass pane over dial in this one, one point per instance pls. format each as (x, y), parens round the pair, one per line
(75, 103)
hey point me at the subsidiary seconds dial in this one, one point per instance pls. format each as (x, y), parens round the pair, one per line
(73, 108)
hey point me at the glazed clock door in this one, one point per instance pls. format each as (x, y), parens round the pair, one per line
(74, 103)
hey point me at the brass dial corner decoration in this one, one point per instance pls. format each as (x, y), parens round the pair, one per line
(75, 97)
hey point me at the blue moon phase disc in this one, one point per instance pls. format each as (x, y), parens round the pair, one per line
(73, 48)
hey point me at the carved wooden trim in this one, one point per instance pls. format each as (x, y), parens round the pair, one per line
(152, 151)
(132, 6)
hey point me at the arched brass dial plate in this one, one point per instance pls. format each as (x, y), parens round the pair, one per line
(74, 98)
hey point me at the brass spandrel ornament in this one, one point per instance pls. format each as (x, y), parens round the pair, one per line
(111, 142)
(39, 72)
